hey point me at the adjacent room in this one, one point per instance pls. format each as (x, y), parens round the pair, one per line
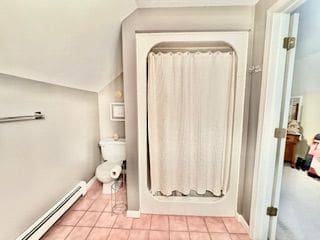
(301, 174)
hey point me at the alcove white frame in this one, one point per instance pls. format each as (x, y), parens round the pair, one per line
(202, 206)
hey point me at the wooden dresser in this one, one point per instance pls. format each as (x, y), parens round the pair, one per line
(290, 153)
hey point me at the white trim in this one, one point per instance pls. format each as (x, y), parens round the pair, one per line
(243, 222)
(91, 182)
(285, 6)
(271, 91)
(226, 206)
(285, 105)
(52, 219)
(269, 118)
(195, 3)
(133, 214)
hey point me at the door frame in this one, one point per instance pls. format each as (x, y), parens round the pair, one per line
(269, 119)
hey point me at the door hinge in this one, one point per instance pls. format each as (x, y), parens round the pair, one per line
(280, 133)
(289, 43)
(272, 211)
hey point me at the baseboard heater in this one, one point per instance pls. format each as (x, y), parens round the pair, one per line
(41, 226)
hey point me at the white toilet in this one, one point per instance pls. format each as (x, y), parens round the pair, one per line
(113, 153)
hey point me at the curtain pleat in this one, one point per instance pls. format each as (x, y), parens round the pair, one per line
(190, 117)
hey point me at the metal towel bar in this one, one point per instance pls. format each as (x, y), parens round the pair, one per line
(35, 116)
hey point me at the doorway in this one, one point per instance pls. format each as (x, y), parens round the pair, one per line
(278, 68)
(299, 196)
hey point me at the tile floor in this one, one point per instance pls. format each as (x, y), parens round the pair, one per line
(90, 218)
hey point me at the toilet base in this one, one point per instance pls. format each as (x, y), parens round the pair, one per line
(106, 187)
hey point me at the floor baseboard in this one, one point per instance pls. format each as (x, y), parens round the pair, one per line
(91, 182)
(243, 222)
(133, 214)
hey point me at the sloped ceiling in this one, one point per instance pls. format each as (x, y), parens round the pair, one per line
(192, 3)
(73, 43)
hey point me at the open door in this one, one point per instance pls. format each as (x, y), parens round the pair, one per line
(289, 43)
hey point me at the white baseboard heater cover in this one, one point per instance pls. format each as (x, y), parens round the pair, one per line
(41, 226)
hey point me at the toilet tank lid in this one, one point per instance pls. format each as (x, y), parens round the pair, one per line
(107, 141)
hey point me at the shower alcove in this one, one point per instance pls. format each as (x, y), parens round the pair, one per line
(153, 196)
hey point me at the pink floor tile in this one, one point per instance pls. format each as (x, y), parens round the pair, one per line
(57, 233)
(197, 224)
(89, 219)
(159, 222)
(82, 204)
(139, 235)
(122, 197)
(220, 236)
(233, 226)
(179, 235)
(178, 223)
(99, 205)
(93, 220)
(215, 225)
(119, 234)
(199, 236)
(123, 222)
(99, 234)
(71, 218)
(105, 196)
(243, 236)
(106, 220)
(79, 233)
(96, 185)
(143, 222)
(108, 206)
(93, 194)
(234, 237)
(158, 235)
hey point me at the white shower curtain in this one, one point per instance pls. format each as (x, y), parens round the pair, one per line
(190, 116)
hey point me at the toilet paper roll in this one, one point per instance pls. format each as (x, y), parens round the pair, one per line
(115, 172)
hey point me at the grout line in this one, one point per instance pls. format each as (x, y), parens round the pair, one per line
(90, 205)
(225, 225)
(101, 212)
(188, 226)
(149, 227)
(169, 228)
(74, 226)
(94, 225)
(205, 222)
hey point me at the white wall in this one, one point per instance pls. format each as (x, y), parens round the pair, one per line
(74, 43)
(113, 92)
(310, 117)
(255, 87)
(307, 70)
(306, 80)
(42, 160)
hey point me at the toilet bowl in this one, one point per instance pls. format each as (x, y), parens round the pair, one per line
(113, 153)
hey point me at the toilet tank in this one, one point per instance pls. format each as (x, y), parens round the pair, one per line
(113, 151)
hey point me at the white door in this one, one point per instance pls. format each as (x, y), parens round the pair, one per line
(287, 85)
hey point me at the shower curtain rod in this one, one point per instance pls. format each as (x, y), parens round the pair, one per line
(191, 48)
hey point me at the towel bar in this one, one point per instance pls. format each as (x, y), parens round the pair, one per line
(35, 116)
